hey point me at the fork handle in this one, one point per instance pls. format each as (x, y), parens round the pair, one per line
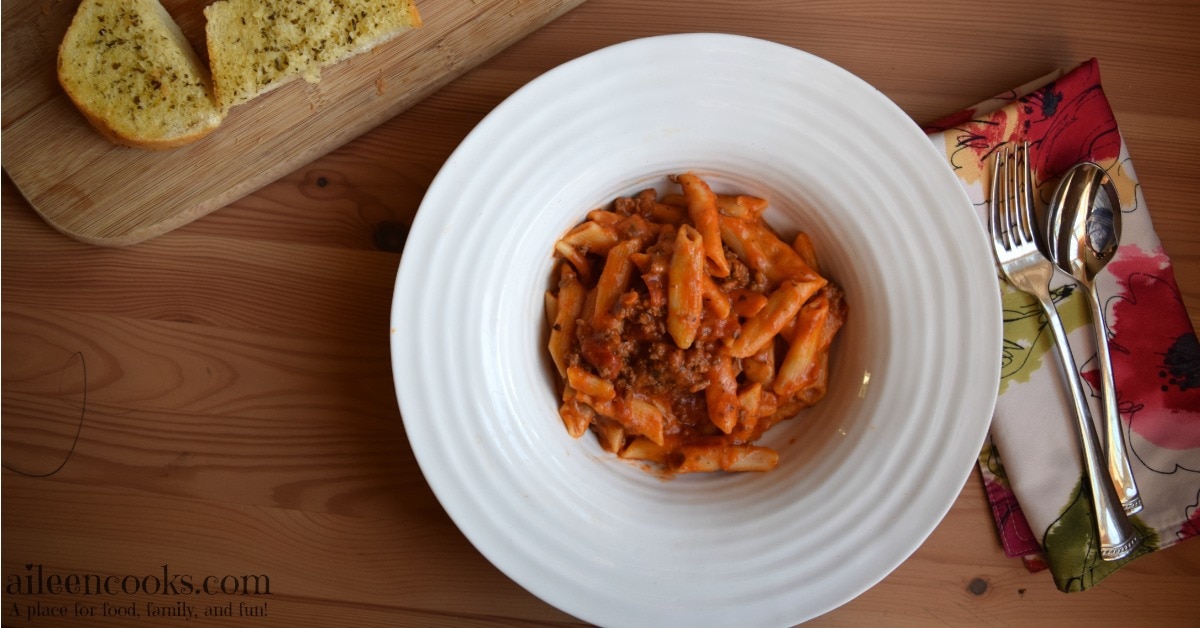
(1117, 536)
(1114, 436)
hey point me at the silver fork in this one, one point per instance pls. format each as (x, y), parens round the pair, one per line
(1011, 224)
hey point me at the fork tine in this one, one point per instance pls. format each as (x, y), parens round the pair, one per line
(994, 213)
(1008, 188)
(1012, 195)
(1024, 192)
(1014, 191)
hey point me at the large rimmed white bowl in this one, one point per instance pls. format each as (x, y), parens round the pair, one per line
(864, 477)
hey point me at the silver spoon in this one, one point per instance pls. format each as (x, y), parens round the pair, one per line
(1084, 223)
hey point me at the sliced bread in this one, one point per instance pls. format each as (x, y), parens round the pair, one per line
(131, 72)
(255, 46)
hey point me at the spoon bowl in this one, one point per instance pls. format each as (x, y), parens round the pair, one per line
(1084, 222)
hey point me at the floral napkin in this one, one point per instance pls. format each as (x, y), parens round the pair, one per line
(1030, 464)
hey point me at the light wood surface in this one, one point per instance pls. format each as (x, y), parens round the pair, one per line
(104, 194)
(232, 377)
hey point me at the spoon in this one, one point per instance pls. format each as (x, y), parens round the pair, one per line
(1084, 223)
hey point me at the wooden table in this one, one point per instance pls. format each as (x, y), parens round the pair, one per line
(232, 377)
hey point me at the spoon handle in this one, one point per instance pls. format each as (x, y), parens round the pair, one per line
(1116, 534)
(1114, 434)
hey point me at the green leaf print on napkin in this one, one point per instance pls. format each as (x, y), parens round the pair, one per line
(1072, 569)
(1026, 338)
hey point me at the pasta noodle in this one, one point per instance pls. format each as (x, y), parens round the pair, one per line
(683, 327)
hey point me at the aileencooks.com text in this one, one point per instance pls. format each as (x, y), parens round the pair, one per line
(35, 580)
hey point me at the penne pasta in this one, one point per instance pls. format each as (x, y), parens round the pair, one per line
(803, 247)
(614, 279)
(591, 385)
(796, 371)
(749, 458)
(750, 399)
(576, 416)
(721, 396)
(717, 301)
(683, 328)
(819, 379)
(642, 448)
(747, 303)
(592, 237)
(610, 433)
(567, 305)
(760, 366)
(550, 303)
(576, 257)
(781, 308)
(667, 214)
(604, 217)
(654, 265)
(639, 416)
(708, 458)
(764, 252)
(741, 206)
(685, 287)
(674, 199)
(816, 388)
(702, 209)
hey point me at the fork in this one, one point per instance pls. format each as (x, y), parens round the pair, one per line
(1011, 224)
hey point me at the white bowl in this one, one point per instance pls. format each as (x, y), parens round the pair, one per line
(863, 477)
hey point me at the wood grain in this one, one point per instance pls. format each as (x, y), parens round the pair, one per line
(101, 193)
(240, 417)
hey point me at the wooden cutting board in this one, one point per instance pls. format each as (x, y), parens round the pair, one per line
(105, 194)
